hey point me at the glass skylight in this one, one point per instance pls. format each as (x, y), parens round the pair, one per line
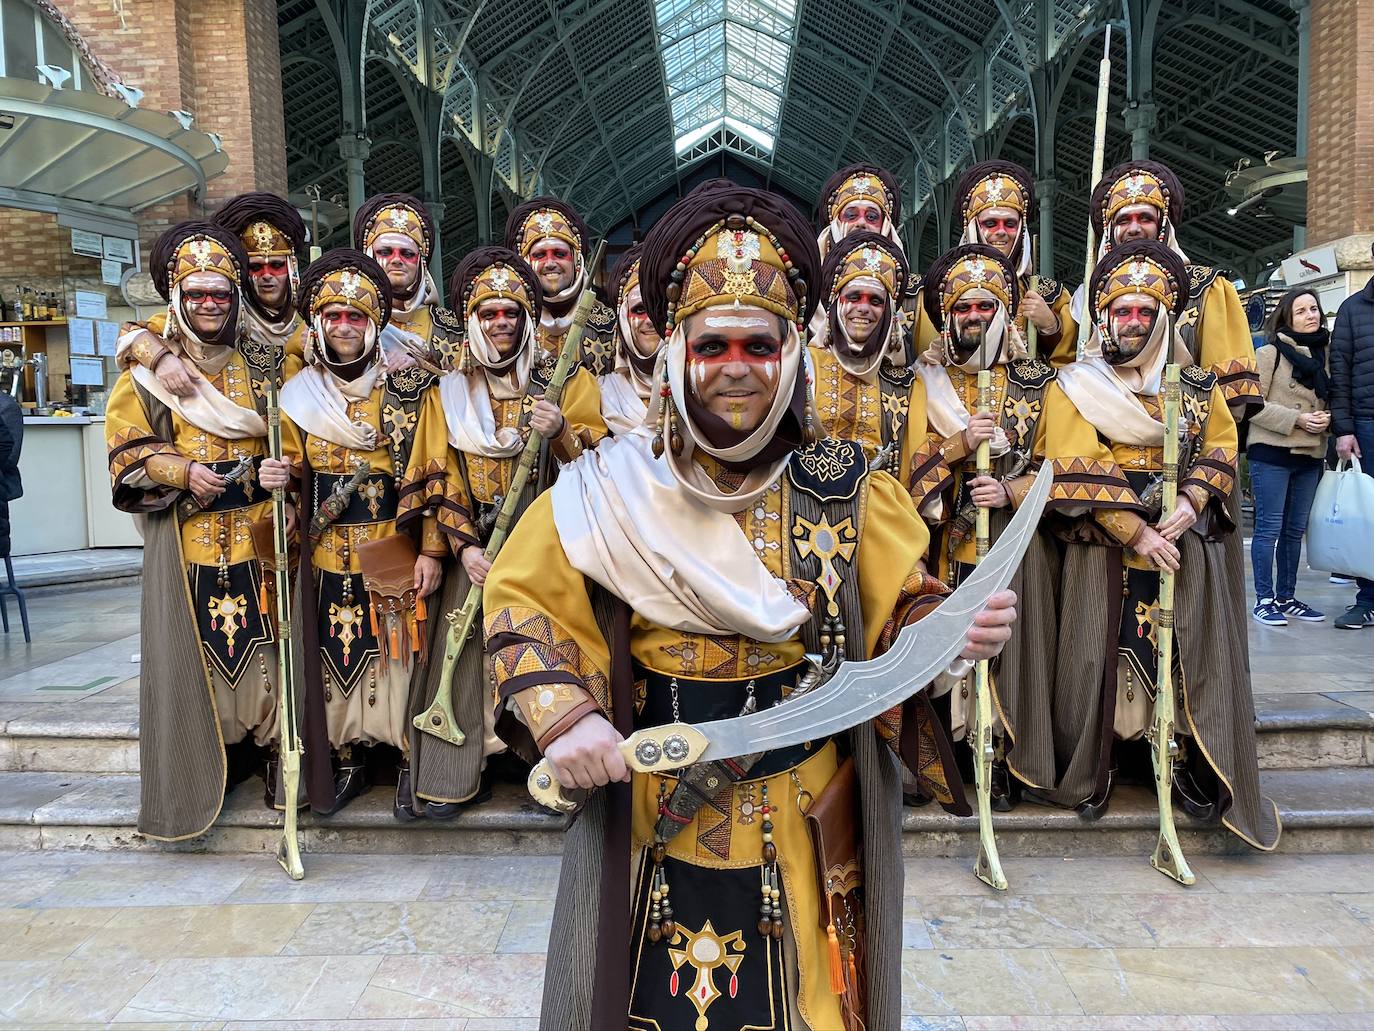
(726, 65)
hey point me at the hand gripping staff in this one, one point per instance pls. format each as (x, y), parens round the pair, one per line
(856, 693)
(1168, 857)
(439, 720)
(289, 747)
(988, 867)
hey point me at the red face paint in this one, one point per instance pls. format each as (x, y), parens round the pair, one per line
(1136, 225)
(870, 298)
(993, 225)
(861, 213)
(260, 267)
(542, 253)
(983, 306)
(217, 298)
(344, 317)
(385, 252)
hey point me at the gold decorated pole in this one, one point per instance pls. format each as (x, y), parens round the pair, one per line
(289, 746)
(1168, 856)
(313, 192)
(1033, 331)
(438, 720)
(1104, 86)
(988, 868)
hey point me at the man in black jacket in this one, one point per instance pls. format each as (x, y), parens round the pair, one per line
(11, 440)
(1352, 411)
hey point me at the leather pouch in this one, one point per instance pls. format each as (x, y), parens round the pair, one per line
(265, 548)
(836, 835)
(397, 614)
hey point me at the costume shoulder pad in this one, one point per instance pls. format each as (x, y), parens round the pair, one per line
(601, 319)
(1050, 289)
(448, 319)
(914, 286)
(1030, 373)
(828, 470)
(1200, 277)
(1197, 377)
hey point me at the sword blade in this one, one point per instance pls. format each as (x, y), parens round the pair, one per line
(861, 691)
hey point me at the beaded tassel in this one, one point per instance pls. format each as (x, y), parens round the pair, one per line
(662, 926)
(770, 907)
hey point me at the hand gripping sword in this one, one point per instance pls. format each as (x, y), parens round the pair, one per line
(439, 720)
(1168, 856)
(856, 693)
(289, 746)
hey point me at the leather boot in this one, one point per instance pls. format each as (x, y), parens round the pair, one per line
(1189, 796)
(448, 810)
(1005, 789)
(1096, 807)
(405, 808)
(350, 777)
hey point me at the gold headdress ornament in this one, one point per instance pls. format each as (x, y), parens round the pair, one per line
(860, 186)
(630, 282)
(498, 280)
(1137, 275)
(874, 261)
(200, 253)
(261, 239)
(544, 224)
(994, 191)
(350, 286)
(974, 272)
(736, 260)
(397, 218)
(1139, 186)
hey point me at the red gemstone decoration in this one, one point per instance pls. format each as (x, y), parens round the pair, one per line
(734, 985)
(673, 984)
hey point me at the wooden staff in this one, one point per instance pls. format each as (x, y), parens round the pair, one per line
(988, 868)
(1104, 84)
(1168, 856)
(1032, 331)
(289, 747)
(438, 720)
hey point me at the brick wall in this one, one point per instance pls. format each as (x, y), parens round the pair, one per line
(1340, 125)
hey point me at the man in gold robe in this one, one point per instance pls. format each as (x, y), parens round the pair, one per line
(627, 390)
(682, 572)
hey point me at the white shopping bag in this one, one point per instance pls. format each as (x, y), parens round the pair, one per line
(1340, 530)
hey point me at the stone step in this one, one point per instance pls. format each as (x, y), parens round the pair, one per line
(1296, 732)
(1324, 810)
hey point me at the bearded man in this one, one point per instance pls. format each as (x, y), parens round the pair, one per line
(396, 230)
(674, 574)
(1143, 200)
(865, 388)
(1107, 670)
(970, 293)
(383, 507)
(207, 689)
(552, 238)
(491, 403)
(627, 390)
(272, 234)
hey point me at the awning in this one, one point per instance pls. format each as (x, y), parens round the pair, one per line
(76, 145)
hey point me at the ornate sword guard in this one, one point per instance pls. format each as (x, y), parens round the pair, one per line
(652, 750)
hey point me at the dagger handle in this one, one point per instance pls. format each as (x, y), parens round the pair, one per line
(652, 750)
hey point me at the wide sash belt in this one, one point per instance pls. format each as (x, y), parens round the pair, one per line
(244, 494)
(373, 502)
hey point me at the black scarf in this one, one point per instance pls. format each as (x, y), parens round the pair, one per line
(1309, 371)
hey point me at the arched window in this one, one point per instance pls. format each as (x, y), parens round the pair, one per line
(28, 38)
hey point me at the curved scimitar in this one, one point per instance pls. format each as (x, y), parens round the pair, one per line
(858, 691)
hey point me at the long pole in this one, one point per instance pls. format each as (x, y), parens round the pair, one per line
(1104, 85)
(988, 867)
(439, 720)
(289, 746)
(1033, 331)
(1168, 856)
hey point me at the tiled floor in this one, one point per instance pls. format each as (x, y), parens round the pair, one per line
(451, 942)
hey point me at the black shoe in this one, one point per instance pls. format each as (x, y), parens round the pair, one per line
(350, 781)
(1189, 796)
(915, 800)
(1096, 807)
(448, 810)
(404, 808)
(271, 774)
(1005, 789)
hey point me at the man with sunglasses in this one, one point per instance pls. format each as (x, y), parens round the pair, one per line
(397, 232)
(208, 683)
(554, 240)
(272, 234)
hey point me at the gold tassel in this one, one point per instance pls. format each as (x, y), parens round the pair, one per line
(421, 613)
(372, 618)
(263, 606)
(395, 640)
(836, 962)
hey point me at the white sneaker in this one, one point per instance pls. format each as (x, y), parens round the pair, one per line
(1336, 578)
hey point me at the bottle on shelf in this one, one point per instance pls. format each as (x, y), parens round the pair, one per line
(24, 309)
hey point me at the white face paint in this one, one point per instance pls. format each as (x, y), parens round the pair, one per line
(736, 322)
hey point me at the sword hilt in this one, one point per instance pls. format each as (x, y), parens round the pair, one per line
(652, 750)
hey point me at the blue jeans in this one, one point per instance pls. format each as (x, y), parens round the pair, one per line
(1283, 499)
(1364, 435)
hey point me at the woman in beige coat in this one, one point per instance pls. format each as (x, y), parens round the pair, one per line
(1287, 444)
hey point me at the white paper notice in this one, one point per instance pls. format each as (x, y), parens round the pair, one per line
(117, 249)
(90, 304)
(86, 243)
(111, 272)
(81, 336)
(106, 338)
